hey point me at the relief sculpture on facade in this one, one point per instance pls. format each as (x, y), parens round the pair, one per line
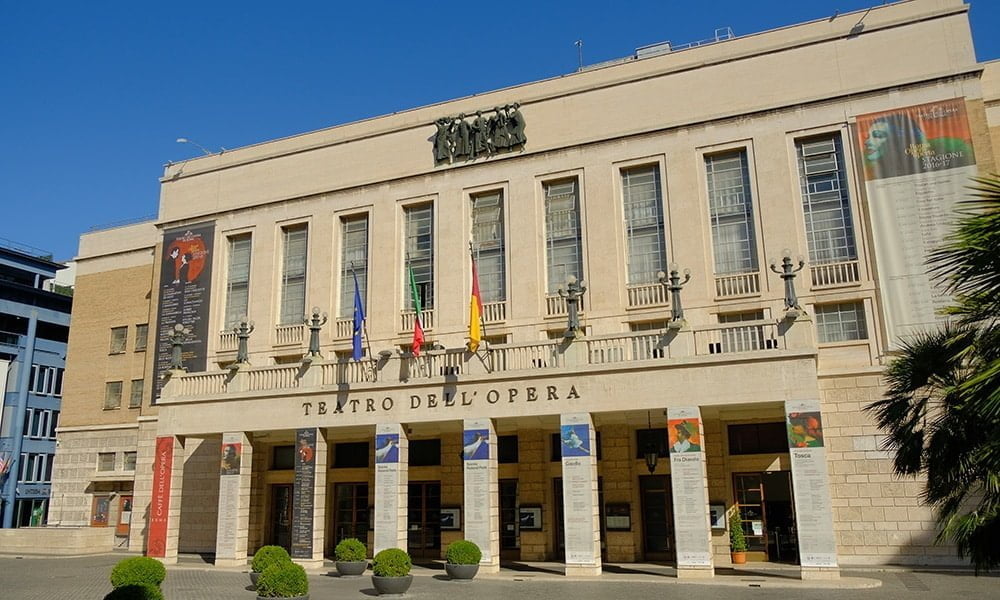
(458, 138)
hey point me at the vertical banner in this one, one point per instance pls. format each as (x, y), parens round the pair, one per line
(184, 292)
(390, 483)
(159, 506)
(303, 493)
(688, 487)
(481, 486)
(917, 162)
(229, 494)
(579, 468)
(810, 484)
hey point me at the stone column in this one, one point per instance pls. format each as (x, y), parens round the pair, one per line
(234, 500)
(309, 498)
(165, 506)
(811, 491)
(689, 489)
(482, 490)
(391, 480)
(581, 518)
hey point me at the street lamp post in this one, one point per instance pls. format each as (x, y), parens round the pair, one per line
(243, 331)
(675, 285)
(315, 325)
(573, 293)
(788, 272)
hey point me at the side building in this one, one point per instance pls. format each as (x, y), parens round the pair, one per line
(34, 329)
(693, 264)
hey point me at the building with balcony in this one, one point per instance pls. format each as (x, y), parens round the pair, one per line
(33, 334)
(675, 403)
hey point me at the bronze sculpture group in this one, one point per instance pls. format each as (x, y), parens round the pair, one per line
(457, 138)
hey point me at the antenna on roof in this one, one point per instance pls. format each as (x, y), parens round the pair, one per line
(579, 50)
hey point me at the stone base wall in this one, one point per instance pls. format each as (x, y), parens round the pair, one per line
(56, 541)
(75, 479)
(200, 495)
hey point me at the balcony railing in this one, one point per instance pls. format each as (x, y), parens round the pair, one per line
(835, 274)
(556, 306)
(228, 341)
(287, 335)
(343, 328)
(407, 317)
(647, 294)
(590, 352)
(733, 286)
(494, 312)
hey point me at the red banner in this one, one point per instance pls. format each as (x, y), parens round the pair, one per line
(159, 507)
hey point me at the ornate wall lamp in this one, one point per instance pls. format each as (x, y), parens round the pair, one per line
(573, 293)
(675, 285)
(651, 452)
(315, 324)
(178, 336)
(243, 331)
(787, 272)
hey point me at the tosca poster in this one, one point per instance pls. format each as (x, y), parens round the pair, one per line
(184, 294)
(917, 162)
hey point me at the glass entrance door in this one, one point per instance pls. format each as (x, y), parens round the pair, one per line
(767, 513)
(350, 513)
(424, 519)
(657, 518)
(510, 538)
(281, 516)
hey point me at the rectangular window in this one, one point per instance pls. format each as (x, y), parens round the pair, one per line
(119, 336)
(141, 337)
(353, 261)
(507, 449)
(648, 326)
(419, 255)
(293, 274)
(731, 212)
(53, 423)
(135, 394)
(130, 461)
(758, 438)
(38, 423)
(112, 395)
(841, 322)
(350, 455)
(647, 254)
(283, 457)
(47, 474)
(488, 245)
(57, 389)
(45, 381)
(825, 200)
(105, 461)
(655, 439)
(238, 280)
(563, 243)
(425, 453)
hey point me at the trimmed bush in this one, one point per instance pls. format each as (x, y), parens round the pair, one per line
(350, 550)
(283, 580)
(463, 552)
(143, 591)
(267, 556)
(138, 570)
(737, 541)
(392, 562)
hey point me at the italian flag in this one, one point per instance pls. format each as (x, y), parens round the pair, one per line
(418, 327)
(475, 311)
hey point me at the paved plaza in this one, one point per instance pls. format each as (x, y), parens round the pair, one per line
(28, 578)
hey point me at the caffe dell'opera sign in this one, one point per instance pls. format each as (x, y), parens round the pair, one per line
(443, 401)
(479, 135)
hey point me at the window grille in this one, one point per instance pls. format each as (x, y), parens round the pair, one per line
(353, 255)
(238, 280)
(293, 274)
(644, 230)
(564, 253)
(731, 213)
(826, 203)
(419, 256)
(488, 245)
(841, 322)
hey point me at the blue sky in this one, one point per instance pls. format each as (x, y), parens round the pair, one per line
(94, 94)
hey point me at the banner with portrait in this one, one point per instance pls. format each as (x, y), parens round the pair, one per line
(688, 484)
(810, 484)
(917, 163)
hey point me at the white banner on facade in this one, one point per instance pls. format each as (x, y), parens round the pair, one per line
(917, 163)
(481, 486)
(687, 481)
(390, 487)
(810, 484)
(578, 444)
(230, 467)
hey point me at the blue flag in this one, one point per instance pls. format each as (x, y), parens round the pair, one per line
(359, 319)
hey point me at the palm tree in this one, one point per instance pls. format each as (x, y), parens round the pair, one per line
(941, 411)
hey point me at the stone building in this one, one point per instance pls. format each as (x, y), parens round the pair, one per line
(628, 433)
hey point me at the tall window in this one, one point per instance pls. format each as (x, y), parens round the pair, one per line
(112, 395)
(825, 201)
(419, 255)
(488, 245)
(119, 336)
(135, 394)
(643, 224)
(238, 280)
(564, 252)
(141, 336)
(354, 255)
(293, 274)
(731, 211)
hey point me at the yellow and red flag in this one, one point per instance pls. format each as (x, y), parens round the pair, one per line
(475, 312)
(418, 326)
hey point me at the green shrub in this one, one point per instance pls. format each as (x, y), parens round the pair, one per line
(138, 570)
(350, 550)
(283, 580)
(392, 562)
(463, 552)
(144, 591)
(267, 556)
(737, 541)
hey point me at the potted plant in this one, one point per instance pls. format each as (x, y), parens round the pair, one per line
(737, 541)
(264, 558)
(350, 554)
(391, 571)
(283, 580)
(462, 560)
